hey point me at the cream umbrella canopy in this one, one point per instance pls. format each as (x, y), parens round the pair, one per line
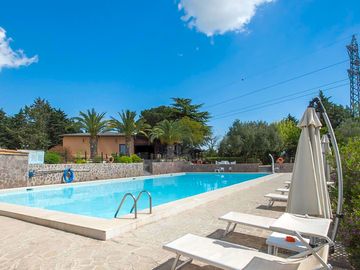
(308, 191)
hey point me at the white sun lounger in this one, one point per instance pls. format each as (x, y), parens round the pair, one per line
(234, 218)
(283, 190)
(288, 183)
(275, 197)
(230, 256)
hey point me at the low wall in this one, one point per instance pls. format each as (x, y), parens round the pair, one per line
(167, 167)
(84, 172)
(241, 167)
(284, 168)
(182, 166)
(13, 169)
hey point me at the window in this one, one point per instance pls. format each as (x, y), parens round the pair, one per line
(122, 149)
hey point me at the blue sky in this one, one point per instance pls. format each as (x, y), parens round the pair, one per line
(115, 55)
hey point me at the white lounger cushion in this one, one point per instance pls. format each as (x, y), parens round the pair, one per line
(249, 220)
(235, 257)
(283, 190)
(277, 197)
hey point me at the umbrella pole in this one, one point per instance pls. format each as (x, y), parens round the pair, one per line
(339, 213)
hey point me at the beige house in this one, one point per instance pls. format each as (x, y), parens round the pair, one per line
(108, 143)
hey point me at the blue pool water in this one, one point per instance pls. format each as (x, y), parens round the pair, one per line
(102, 199)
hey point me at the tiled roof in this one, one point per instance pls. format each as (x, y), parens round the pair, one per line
(108, 133)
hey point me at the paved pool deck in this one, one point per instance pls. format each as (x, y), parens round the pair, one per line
(28, 246)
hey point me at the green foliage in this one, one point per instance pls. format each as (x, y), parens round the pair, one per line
(97, 159)
(52, 158)
(196, 132)
(250, 140)
(349, 128)
(211, 144)
(350, 228)
(129, 126)
(136, 159)
(37, 126)
(169, 133)
(125, 159)
(289, 134)
(337, 113)
(93, 123)
(155, 115)
(80, 161)
(182, 107)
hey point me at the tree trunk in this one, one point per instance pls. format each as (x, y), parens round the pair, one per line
(170, 151)
(93, 147)
(128, 145)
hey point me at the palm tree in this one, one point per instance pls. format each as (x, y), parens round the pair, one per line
(129, 126)
(169, 133)
(93, 123)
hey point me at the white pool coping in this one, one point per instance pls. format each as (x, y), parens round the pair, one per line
(104, 229)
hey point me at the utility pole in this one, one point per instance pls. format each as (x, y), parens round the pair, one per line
(354, 77)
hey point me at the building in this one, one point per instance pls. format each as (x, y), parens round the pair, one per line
(78, 144)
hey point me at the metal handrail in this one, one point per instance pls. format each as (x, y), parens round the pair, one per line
(122, 202)
(139, 196)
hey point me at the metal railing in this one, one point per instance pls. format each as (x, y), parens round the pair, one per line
(134, 207)
(139, 196)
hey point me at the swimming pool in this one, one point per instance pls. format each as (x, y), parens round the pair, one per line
(102, 198)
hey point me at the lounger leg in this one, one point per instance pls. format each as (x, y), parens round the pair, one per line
(227, 229)
(271, 203)
(175, 266)
(175, 262)
(233, 228)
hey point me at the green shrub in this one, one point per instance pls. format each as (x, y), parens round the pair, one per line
(97, 159)
(125, 159)
(80, 161)
(349, 230)
(135, 158)
(52, 158)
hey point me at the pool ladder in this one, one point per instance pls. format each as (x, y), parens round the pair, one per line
(135, 202)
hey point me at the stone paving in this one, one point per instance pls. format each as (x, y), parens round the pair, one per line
(28, 246)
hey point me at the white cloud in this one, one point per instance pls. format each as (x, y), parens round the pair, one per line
(213, 17)
(10, 58)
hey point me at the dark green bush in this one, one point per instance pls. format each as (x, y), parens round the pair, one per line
(135, 158)
(52, 158)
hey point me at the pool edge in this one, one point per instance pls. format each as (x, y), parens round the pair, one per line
(104, 229)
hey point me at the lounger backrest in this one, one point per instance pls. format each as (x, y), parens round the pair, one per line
(311, 262)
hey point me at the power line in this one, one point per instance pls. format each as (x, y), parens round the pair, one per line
(255, 74)
(278, 102)
(295, 93)
(276, 84)
(300, 57)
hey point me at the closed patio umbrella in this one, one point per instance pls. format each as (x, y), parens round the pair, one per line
(308, 191)
(326, 150)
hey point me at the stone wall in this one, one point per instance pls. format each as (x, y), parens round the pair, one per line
(167, 167)
(241, 167)
(182, 166)
(84, 172)
(13, 169)
(284, 168)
